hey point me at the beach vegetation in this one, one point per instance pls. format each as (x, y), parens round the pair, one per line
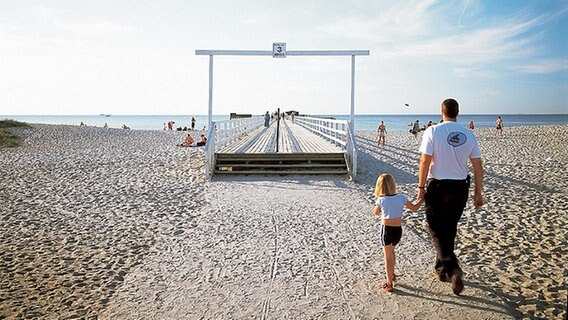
(7, 138)
(13, 124)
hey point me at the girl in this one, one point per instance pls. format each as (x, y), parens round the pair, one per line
(390, 205)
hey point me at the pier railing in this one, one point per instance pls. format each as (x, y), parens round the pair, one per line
(338, 132)
(224, 133)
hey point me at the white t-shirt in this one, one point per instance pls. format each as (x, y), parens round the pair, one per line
(450, 145)
(392, 206)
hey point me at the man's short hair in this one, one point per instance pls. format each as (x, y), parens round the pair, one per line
(450, 108)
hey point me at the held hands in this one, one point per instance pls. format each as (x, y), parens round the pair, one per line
(419, 201)
(477, 201)
(420, 197)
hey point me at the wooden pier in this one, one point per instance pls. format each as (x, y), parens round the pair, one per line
(297, 151)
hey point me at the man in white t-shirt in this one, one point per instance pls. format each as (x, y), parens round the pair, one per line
(443, 182)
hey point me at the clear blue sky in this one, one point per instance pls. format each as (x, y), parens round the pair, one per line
(138, 57)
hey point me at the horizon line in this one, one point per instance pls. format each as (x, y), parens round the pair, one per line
(318, 114)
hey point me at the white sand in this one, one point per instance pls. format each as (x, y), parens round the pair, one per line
(121, 224)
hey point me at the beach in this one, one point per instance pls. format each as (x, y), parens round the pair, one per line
(122, 224)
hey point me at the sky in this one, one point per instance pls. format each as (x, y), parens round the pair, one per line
(138, 57)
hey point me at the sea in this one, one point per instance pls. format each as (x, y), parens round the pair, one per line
(363, 122)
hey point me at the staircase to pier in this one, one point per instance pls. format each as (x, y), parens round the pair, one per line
(281, 163)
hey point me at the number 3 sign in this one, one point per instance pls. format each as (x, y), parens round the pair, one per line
(279, 50)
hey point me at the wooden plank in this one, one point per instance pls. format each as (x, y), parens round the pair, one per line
(280, 156)
(285, 172)
(293, 139)
(302, 165)
(305, 141)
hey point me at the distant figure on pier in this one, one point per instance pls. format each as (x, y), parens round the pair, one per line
(382, 132)
(267, 119)
(192, 123)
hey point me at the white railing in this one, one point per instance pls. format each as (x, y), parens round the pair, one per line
(226, 132)
(338, 132)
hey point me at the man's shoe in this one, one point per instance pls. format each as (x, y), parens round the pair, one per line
(442, 276)
(457, 283)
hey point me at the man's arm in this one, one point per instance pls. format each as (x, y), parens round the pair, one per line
(478, 177)
(423, 170)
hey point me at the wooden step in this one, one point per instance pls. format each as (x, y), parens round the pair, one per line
(280, 163)
(279, 156)
(272, 165)
(284, 172)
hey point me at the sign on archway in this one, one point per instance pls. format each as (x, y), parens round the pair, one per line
(279, 51)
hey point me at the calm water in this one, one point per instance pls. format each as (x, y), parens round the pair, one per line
(362, 122)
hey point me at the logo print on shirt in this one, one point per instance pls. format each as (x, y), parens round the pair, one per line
(456, 139)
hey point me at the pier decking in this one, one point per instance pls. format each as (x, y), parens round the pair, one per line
(299, 152)
(293, 139)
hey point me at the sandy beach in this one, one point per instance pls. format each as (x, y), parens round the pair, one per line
(122, 224)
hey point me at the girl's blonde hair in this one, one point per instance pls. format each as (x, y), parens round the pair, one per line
(386, 185)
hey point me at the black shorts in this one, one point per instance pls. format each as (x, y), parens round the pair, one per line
(390, 235)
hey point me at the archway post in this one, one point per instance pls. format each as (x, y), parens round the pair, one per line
(352, 115)
(210, 112)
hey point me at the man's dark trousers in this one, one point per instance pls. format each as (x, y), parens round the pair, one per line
(445, 201)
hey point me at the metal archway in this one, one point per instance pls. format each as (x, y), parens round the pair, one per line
(279, 51)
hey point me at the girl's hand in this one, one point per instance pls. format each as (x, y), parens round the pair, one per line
(377, 211)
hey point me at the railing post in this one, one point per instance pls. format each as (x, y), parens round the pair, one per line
(277, 128)
(210, 151)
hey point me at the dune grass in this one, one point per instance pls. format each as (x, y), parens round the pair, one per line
(7, 138)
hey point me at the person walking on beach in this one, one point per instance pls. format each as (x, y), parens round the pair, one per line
(382, 131)
(415, 128)
(499, 125)
(443, 183)
(470, 125)
(267, 119)
(389, 205)
(192, 123)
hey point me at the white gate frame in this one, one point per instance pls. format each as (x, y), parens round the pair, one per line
(351, 53)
